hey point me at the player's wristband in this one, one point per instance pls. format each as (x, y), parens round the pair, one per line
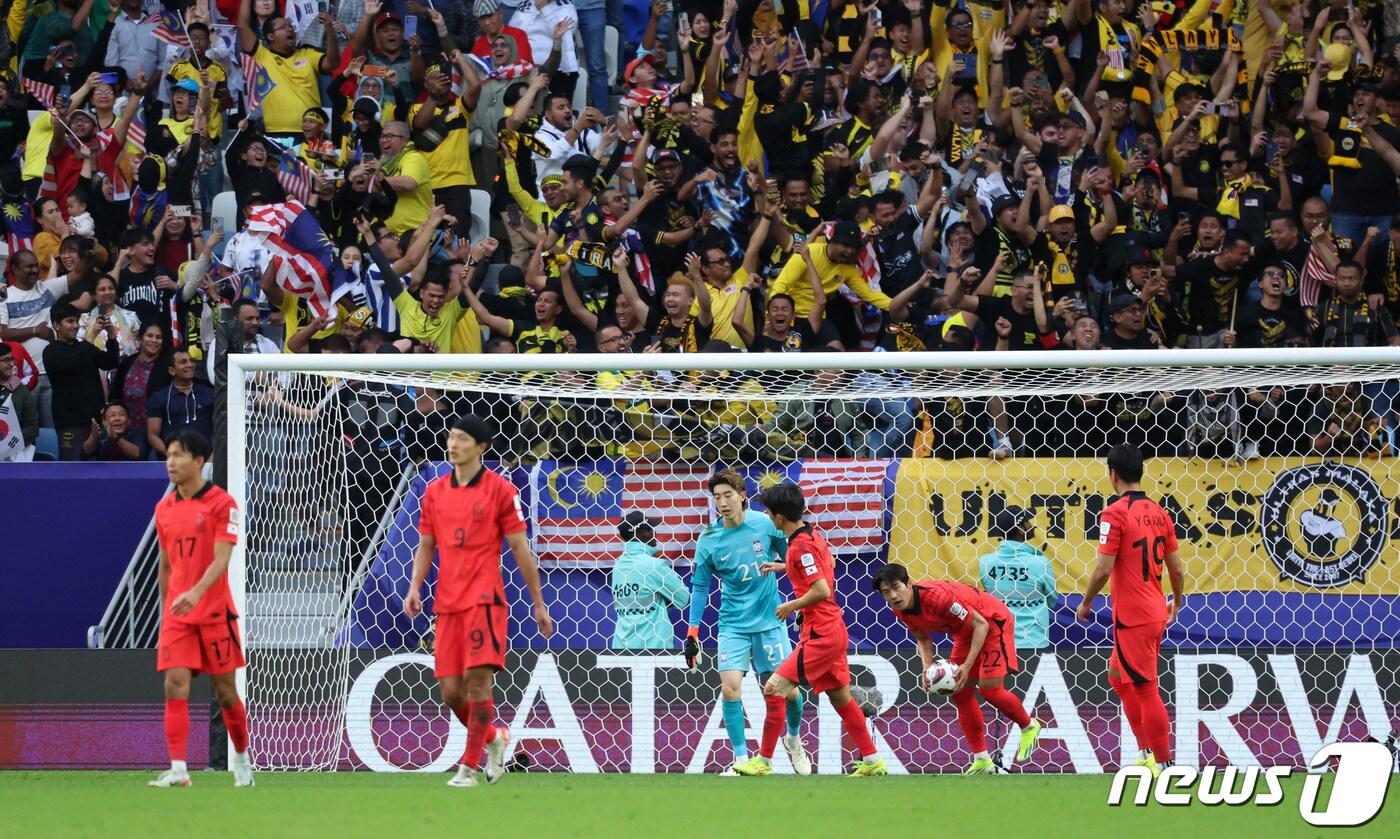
(693, 632)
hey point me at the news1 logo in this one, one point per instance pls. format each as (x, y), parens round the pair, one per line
(1362, 776)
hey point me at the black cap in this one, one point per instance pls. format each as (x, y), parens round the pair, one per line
(1076, 118)
(477, 428)
(845, 233)
(1123, 301)
(1139, 256)
(1004, 202)
(1007, 522)
(633, 522)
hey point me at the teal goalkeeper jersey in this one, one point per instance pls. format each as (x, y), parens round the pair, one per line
(1020, 576)
(748, 596)
(644, 587)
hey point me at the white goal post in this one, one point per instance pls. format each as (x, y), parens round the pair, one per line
(1276, 464)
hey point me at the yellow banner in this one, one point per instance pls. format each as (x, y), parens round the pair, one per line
(1274, 524)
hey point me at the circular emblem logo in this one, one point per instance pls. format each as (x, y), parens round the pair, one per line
(1205, 165)
(1324, 525)
(1348, 143)
(758, 547)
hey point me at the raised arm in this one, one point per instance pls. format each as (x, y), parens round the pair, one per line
(495, 323)
(247, 38)
(572, 299)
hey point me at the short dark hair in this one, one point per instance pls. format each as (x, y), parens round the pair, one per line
(201, 26)
(335, 343)
(134, 236)
(581, 167)
(1126, 462)
(781, 296)
(63, 310)
(1283, 215)
(478, 428)
(550, 97)
(1234, 237)
(727, 477)
(5, 349)
(196, 445)
(244, 303)
(889, 575)
(1349, 263)
(890, 196)
(110, 405)
(721, 131)
(785, 499)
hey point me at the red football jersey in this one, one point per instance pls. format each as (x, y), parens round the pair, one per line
(945, 605)
(187, 529)
(1139, 534)
(469, 523)
(809, 559)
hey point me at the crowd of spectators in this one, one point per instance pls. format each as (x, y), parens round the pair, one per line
(760, 176)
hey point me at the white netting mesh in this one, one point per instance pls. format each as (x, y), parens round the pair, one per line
(1282, 479)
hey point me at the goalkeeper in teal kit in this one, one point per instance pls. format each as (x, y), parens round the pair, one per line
(751, 637)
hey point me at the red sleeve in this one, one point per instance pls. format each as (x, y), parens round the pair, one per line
(425, 514)
(1111, 530)
(522, 42)
(226, 521)
(1171, 532)
(511, 518)
(802, 561)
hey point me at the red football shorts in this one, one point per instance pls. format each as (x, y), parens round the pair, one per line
(1135, 651)
(210, 648)
(998, 656)
(819, 663)
(474, 637)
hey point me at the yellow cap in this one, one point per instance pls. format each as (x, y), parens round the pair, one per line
(1060, 212)
(1339, 56)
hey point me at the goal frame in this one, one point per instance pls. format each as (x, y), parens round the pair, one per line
(240, 365)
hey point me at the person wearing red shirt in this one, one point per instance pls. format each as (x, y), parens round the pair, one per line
(984, 647)
(197, 526)
(819, 659)
(1136, 539)
(465, 515)
(492, 23)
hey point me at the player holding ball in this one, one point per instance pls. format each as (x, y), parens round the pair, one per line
(984, 649)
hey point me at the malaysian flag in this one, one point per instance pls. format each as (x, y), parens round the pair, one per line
(41, 91)
(640, 262)
(257, 84)
(304, 259)
(136, 132)
(19, 226)
(575, 507)
(170, 28)
(509, 71)
(295, 177)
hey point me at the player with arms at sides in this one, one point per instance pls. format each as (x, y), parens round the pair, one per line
(197, 526)
(735, 549)
(819, 661)
(984, 650)
(465, 515)
(1136, 538)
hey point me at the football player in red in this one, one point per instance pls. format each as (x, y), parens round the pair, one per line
(465, 515)
(197, 527)
(1136, 539)
(984, 650)
(819, 660)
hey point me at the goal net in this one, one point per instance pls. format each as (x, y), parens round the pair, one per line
(1278, 468)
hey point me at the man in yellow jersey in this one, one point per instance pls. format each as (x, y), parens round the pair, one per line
(406, 171)
(295, 71)
(440, 127)
(835, 262)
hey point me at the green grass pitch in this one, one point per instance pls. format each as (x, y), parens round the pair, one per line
(110, 805)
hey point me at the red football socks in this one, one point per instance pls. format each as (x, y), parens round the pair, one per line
(177, 728)
(236, 721)
(1006, 702)
(1129, 698)
(774, 722)
(853, 720)
(970, 718)
(1156, 732)
(479, 730)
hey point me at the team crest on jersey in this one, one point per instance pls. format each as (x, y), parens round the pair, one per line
(1324, 525)
(1104, 529)
(758, 547)
(478, 511)
(199, 521)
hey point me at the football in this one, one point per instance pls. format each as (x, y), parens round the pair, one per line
(942, 675)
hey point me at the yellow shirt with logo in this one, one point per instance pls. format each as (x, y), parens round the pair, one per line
(722, 304)
(298, 89)
(453, 327)
(793, 281)
(295, 314)
(217, 76)
(412, 207)
(450, 162)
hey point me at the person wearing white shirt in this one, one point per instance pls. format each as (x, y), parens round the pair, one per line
(564, 135)
(537, 19)
(24, 317)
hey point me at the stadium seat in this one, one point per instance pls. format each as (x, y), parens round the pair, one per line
(225, 213)
(612, 41)
(481, 215)
(581, 91)
(46, 447)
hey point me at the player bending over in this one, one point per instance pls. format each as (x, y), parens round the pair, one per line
(197, 527)
(1136, 538)
(984, 649)
(465, 515)
(819, 661)
(735, 549)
